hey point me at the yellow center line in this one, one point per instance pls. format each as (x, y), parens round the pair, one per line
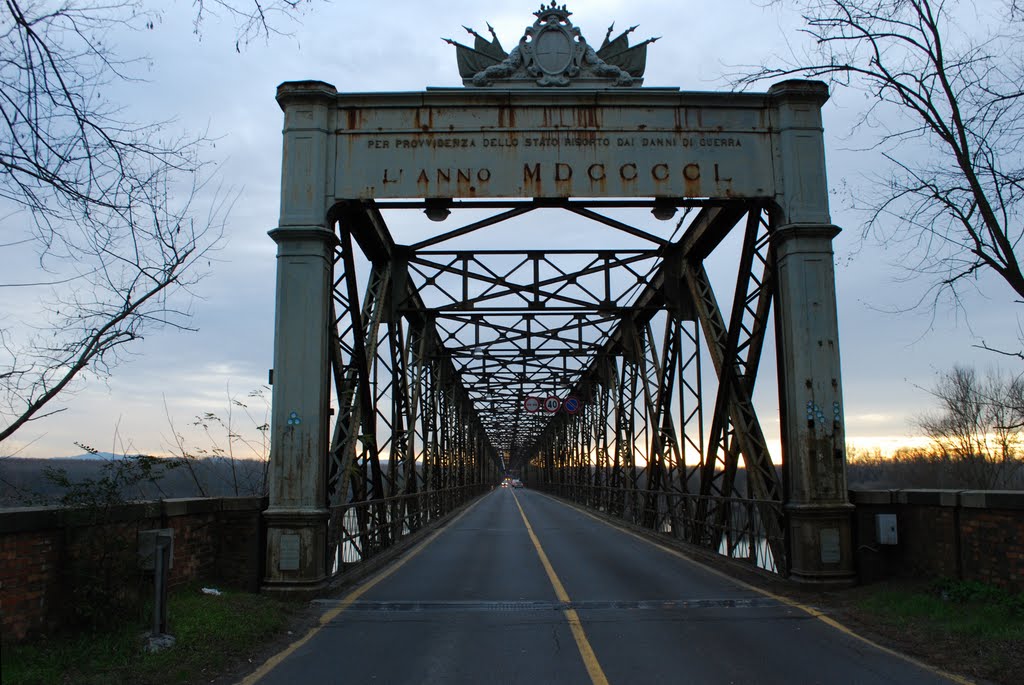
(593, 666)
(814, 613)
(346, 602)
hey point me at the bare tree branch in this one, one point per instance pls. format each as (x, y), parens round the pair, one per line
(113, 205)
(947, 111)
(978, 426)
(252, 18)
(1005, 353)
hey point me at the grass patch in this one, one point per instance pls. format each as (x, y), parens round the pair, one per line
(211, 632)
(962, 626)
(955, 608)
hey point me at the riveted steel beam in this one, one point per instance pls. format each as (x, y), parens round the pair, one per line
(434, 364)
(441, 345)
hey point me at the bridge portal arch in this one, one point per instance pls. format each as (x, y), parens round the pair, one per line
(377, 391)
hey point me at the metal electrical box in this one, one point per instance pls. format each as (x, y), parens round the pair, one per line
(885, 529)
(149, 541)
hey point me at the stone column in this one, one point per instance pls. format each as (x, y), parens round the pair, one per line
(807, 332)
(297, 516)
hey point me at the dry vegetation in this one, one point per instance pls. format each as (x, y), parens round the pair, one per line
(911, 468)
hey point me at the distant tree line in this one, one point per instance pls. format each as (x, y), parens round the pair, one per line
(976, 435)
(912, 468)
(25, 481)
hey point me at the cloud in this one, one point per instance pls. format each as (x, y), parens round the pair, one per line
(205, 85)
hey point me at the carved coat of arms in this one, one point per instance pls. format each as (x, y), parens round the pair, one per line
(552, 52)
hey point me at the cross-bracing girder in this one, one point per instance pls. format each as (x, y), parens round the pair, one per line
(434, 355)
(404, 424)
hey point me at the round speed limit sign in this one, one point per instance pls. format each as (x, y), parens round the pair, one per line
(531, 404)
(552, 404)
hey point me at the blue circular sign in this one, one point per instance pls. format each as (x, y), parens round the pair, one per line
(571, 405)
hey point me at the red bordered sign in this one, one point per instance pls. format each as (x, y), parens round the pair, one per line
(532, 404)
(552, 404)
(571, 405)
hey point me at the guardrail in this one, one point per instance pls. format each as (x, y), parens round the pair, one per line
(360, 530)
(730, 526)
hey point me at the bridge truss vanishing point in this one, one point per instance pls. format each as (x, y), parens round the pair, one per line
(432, 349)
(454, 339)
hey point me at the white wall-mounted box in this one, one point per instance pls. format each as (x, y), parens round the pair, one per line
(885, 529)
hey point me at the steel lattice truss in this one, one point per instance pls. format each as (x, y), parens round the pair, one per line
(437, 344)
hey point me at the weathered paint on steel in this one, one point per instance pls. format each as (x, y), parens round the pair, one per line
(587, 144)
(661, 144)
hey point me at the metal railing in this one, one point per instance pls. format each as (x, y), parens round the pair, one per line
(730, 526)
(360, 530)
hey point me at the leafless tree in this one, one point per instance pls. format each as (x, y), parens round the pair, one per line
(254, 18)
(977, 428)
(944, 86)
(112, 207)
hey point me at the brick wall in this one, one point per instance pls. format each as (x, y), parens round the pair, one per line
(240, 544)
(215, 540)
(28, 579)
(963, 534)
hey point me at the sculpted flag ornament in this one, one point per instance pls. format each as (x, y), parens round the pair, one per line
(642, 143)
(750, 162)
(552, 52)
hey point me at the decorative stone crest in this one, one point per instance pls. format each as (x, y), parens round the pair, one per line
(552, 52)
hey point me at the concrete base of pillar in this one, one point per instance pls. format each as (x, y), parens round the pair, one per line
(296, 591)
(296, 553)
(821, 545)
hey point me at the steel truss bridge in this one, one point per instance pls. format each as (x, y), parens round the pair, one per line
(404, 356)
(437, 343)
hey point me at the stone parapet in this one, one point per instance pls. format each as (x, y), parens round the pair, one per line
(963, 534)
(215, 540)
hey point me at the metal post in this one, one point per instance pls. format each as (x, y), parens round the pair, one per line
(161, 560)
(296, 518)
(156, 553)
(807, 334)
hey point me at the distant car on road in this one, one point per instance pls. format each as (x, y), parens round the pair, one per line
(516, 483)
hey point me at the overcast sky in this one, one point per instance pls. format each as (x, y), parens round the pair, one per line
(888, 358)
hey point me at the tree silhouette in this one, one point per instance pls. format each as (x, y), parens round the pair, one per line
(946, 109)
(111, 204)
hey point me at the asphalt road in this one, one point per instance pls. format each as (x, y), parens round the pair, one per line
(525, 589)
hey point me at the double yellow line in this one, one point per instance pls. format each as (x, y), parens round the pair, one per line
(597, 675)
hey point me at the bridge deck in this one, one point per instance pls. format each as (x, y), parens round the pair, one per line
(477, 604)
